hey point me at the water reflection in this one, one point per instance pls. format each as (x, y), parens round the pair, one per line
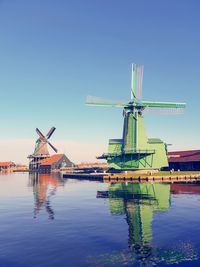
(44, 187)
(185, 189)
(139, 202)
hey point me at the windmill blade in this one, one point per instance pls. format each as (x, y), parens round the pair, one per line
(40, 133)
(163, 104)
(50, 132)
(98, 101)
(164, 111)
(52, 147)
(136, 81)
(167, 108)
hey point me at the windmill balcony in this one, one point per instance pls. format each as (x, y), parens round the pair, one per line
(139, 151)
(128, 151)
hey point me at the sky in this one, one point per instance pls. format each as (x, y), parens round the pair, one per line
(55, 53)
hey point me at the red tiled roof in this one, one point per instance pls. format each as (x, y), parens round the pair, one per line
(6, 163)
(184, 156)
(51, 160)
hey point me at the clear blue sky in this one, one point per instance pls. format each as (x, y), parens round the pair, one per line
(54, 53)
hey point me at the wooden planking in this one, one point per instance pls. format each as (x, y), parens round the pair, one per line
(128, 178)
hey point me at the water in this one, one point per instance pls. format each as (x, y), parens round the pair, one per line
(47, 221)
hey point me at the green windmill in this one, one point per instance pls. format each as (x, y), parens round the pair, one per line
(135, 151)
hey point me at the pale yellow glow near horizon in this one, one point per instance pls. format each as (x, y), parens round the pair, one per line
(17, 150)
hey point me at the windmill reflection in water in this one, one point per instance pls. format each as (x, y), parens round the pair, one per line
(139, 201)
(44, 187)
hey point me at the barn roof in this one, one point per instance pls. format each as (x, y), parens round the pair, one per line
(6, 163)
(184, 156)
(51, 160)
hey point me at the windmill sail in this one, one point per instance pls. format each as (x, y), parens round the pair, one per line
(164, 111)
(136, 81)
(51, 131)
(167, 108)
(55, 149)
(163, 104)
(40, 133)
(98, 101)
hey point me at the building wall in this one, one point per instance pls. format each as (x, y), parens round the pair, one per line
(56, 165)
(7, 167)
(61, 162)
(185, 166)
(45, 169)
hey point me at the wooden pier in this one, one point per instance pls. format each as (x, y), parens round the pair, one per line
(178, 177)
(84, 176)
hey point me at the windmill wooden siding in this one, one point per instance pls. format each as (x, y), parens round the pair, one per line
(54, 162)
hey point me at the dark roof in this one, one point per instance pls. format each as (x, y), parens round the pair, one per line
(184, 156)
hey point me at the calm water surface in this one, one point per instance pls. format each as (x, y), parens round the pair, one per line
(47, 221)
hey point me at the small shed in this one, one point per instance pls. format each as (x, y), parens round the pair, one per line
(6, 165)
(54, 162)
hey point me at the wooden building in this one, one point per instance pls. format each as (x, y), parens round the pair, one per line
(184, 160)
(7, 165)
(54, 163)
